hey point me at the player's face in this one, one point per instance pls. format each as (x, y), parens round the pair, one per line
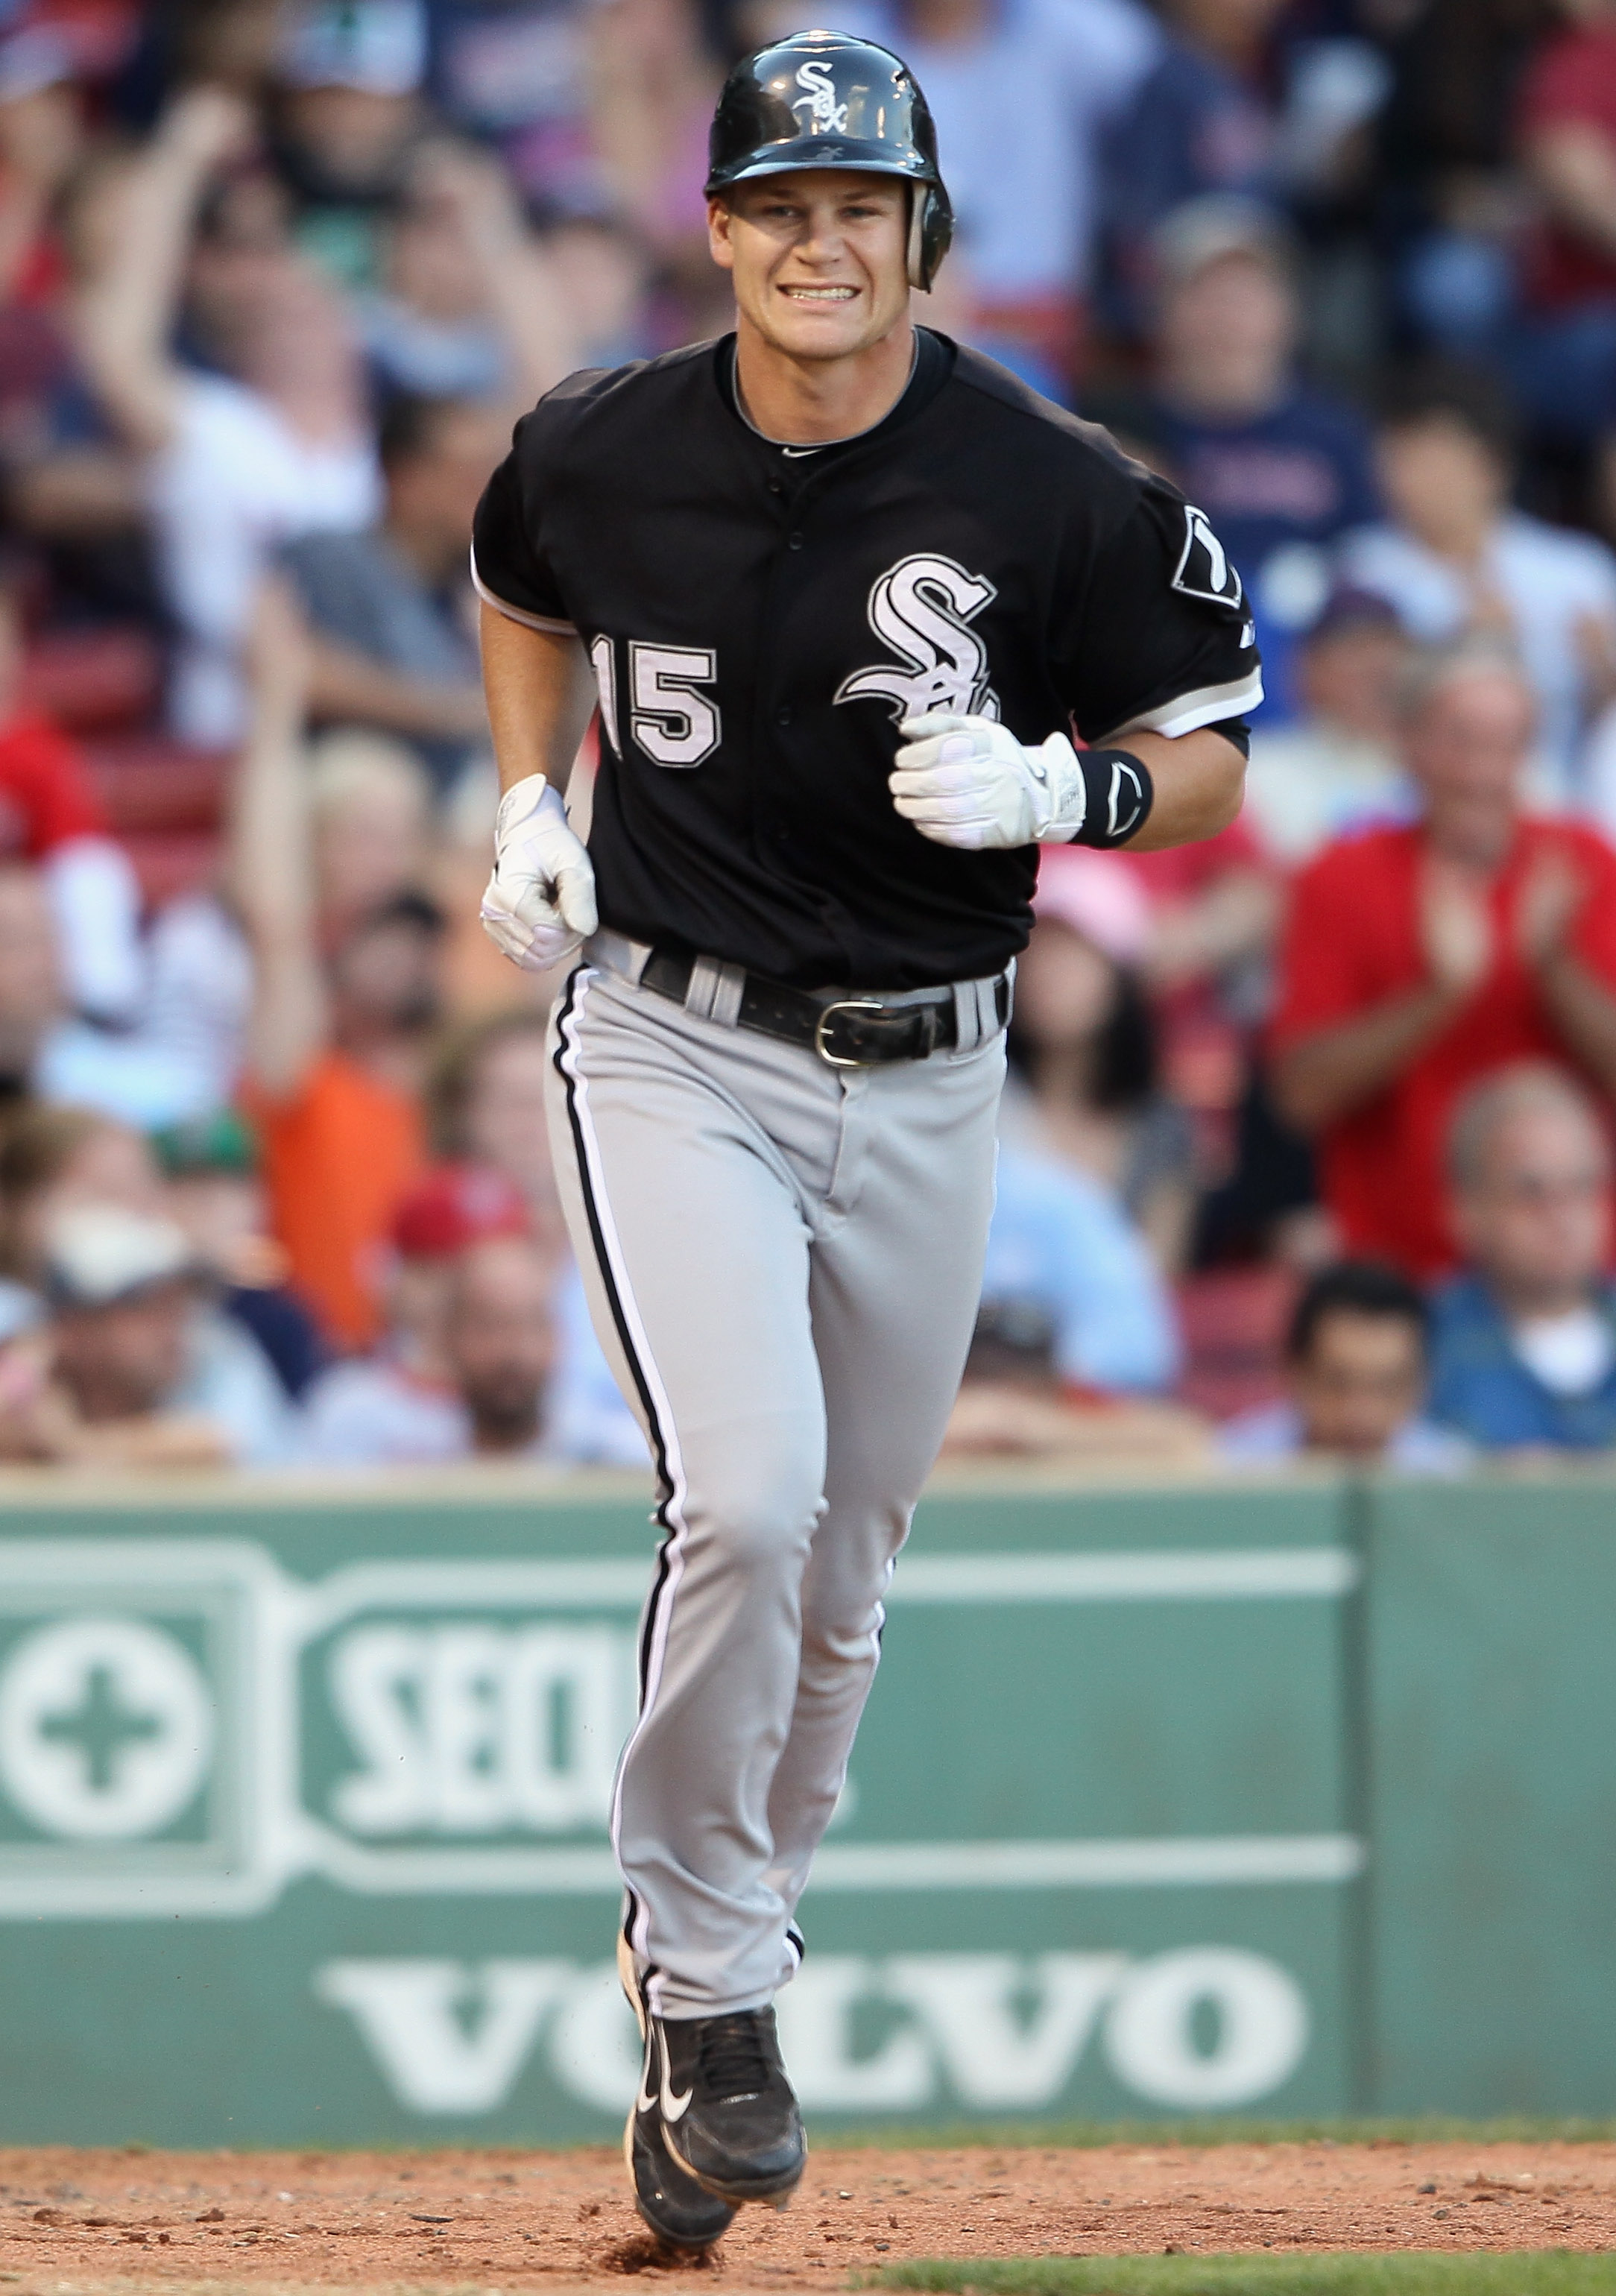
(818, 257)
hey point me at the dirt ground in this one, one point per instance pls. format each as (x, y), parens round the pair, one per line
(72, 2222)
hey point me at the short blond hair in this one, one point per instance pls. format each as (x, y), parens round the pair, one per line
(1430, 668)
(351, 766)
(1529, 1087)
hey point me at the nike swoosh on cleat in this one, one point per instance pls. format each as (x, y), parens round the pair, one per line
(673, 2108)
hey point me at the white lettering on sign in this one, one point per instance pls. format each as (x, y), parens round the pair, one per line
(1203, 2027)
(1009, 2032)
(447, 2038)
(441, 1726)
(1259, 2015)
(817, 2035)
(466, 1729)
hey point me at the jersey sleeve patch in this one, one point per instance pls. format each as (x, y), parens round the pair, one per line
(1159, 637)
(1205, 569)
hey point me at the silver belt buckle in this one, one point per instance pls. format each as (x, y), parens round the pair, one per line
(844, 1004)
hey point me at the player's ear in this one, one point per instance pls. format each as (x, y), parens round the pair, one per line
(720, 245)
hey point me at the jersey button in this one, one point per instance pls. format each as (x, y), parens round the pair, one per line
(776, 487)
(782, 715)
(795, 542)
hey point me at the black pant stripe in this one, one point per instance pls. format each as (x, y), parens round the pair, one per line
(568, 1040)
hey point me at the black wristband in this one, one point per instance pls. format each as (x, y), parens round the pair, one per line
(1121, 795)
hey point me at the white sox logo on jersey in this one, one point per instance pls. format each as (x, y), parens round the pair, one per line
(924, 608)
(826, 117)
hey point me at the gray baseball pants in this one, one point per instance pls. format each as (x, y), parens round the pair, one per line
(784, 1260)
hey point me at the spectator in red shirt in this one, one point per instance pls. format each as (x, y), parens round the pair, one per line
(1420, 957)
(50, 815)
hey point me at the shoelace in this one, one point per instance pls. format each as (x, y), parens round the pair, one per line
(733, 2060)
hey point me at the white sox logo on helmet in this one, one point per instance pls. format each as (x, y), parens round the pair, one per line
(924, 608)
(826, 116)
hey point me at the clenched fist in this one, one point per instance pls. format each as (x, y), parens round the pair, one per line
(539, 903)
(967, 782)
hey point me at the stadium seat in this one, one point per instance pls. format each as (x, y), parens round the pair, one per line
(149, 783)
(1233, 1324)
(170, 865)
(165, 803)
(90, 681)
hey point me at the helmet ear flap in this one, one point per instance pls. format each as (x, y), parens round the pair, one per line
(919, 197)
(931, 230)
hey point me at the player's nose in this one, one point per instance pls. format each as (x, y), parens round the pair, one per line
(822, 237)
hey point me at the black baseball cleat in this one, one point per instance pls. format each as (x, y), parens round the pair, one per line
(728, 2115)
(681, 2212)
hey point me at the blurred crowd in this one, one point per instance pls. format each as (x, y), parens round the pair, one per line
(1307, 1150)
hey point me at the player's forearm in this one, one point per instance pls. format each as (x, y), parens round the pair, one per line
(528, 680)
(1200, 780)
(1329, 1074)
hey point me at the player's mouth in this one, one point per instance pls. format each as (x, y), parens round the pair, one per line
(820, 294)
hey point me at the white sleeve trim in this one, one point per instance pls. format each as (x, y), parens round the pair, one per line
(1186, 713)
(516, 613)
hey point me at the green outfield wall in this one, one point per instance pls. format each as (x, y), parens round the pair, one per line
(1287, 1800)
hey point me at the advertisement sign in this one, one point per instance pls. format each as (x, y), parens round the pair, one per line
(303, 1820)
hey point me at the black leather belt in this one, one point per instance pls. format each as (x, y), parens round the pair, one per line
(848, 1031)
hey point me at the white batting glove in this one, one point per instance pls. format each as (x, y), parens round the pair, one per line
(539, 903)
(968, 781)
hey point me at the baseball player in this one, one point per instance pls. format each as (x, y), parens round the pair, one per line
(847, 590)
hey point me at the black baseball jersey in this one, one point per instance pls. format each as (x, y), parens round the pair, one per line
(761, 617)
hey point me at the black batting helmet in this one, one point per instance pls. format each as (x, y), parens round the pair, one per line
(828, 100)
